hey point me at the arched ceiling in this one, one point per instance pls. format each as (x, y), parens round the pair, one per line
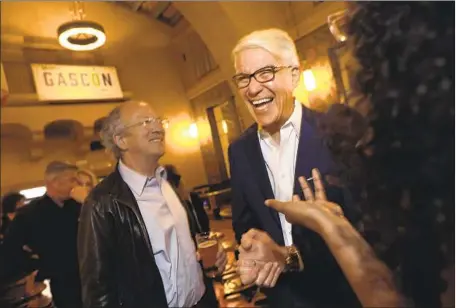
(33, 20)
(222, 24)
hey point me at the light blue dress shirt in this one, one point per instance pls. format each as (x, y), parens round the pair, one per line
(169, 232)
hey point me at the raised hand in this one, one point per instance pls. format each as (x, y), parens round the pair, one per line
(80, 193)
(311, 212)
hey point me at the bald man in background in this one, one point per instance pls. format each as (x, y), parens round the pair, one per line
(48, 226)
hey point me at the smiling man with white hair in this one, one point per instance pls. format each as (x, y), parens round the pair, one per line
(265, 163)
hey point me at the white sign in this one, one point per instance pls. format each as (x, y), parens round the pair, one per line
(76, 83)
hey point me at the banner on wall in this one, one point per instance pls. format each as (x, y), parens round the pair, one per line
(76, 83)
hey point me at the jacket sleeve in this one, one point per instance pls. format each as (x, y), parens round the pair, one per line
(96, 255)
(13, 260)
(243, 218)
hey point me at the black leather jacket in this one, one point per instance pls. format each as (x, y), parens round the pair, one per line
(116, 259)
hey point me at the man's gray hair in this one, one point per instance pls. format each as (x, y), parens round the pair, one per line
(275, 41)
(54, 168)
(112, 126)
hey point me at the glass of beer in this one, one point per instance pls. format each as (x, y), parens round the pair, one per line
(208, 246)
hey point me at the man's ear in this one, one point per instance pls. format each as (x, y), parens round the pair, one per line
(121, 142)
(295, 75)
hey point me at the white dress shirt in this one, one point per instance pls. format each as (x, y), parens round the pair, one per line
(169, 232)
(280, 160)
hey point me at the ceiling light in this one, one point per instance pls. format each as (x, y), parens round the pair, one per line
(81, 35)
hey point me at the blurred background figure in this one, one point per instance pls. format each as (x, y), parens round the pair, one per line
(10, 203)
(48, 227)
(87, 180)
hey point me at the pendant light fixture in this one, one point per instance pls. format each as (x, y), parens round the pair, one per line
(81, 35)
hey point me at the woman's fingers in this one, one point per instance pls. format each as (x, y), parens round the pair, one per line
(320, 193)
(306, 190)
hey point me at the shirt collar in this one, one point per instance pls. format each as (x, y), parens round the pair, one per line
(136, 181)
(294, 120)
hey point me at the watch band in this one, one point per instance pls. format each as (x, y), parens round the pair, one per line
(293, 261)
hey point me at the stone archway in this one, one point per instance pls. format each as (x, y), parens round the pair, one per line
(16, 141)
(233, 20)
(64, 129)
(15, 130)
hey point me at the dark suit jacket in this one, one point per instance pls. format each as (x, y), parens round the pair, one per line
(322, 283)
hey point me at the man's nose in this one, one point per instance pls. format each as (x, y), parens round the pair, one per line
(254, 88)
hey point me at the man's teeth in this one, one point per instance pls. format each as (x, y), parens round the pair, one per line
(261, 101)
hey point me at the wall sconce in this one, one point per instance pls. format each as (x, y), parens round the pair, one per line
(193, 130)
(224, 127)
(309, 80)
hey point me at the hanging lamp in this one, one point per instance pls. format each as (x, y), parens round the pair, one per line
(79, 34)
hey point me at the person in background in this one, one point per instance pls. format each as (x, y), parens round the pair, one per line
(405, 165)
(265, 162)
(11, 202)
(87, 180)
(136, 240)
(192, 200)
(48, 226)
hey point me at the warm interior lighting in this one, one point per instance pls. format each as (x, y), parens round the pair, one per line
(309, 80)
(81, 35)
(193, 130)
(180, 136)
(316, 89)
(32, 193)
(224, 127)
(4, 85)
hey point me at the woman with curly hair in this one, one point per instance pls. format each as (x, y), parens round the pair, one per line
(401, 155)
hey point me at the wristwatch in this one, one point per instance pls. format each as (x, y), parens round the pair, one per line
(293, 261)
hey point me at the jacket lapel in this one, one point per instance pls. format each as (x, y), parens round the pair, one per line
(311, 150)
(256, 160)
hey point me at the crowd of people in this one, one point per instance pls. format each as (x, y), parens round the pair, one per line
(349, 208)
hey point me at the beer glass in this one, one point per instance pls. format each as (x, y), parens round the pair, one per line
(208, 247)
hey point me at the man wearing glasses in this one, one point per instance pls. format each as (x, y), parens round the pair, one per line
(135, 236)
(265, 163)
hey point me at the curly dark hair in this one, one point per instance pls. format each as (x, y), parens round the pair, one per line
(405, 52)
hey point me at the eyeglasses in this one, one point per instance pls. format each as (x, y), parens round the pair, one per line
(262, 75)
(149, 121)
